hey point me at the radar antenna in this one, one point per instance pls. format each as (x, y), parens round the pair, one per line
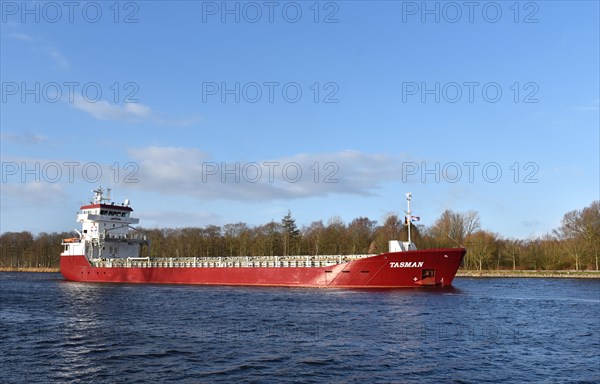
(98, 193)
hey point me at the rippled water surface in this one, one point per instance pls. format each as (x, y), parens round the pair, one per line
(482, 330)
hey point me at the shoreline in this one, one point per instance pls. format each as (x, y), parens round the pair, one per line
(30, 269)
(567, 274)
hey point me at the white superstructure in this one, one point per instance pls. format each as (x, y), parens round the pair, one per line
(106, 230)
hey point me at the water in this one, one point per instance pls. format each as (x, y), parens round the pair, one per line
(483, 330)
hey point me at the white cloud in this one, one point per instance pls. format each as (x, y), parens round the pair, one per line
(44, 171)
(21, 36)
(23, 138)
(127, 112)
(592, 106)
(103, 110)
(57, 56)
(32, 193)
(191, 172)
(43, 46)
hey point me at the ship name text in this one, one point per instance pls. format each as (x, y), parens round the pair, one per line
(406, 264)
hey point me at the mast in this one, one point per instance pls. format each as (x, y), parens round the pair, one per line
(408, 212)
(98, 193)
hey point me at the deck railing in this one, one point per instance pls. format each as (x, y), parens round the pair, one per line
(227, 261)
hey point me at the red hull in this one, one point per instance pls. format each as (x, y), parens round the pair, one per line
(387, 270)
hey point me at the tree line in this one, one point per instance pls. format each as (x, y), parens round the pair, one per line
(574, 245)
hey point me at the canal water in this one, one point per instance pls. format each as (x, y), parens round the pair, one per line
(482, 330)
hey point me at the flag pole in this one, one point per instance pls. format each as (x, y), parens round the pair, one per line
(408, 212)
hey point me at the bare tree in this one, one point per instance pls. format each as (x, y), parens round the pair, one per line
(581, 230)
(456, 225)
(482, 246)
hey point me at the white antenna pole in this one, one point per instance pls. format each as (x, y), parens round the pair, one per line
(408, 212)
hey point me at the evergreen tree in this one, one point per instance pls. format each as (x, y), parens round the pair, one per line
(291, 233)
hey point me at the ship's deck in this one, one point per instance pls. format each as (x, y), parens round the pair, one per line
(227, 261)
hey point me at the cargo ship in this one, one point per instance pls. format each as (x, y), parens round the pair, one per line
(108, 249)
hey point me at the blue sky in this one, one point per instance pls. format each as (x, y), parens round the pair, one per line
(211, 113)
